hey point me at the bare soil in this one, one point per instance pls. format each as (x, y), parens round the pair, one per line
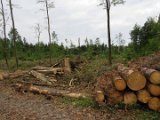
(28, 106)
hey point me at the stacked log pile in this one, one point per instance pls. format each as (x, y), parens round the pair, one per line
(130, 86)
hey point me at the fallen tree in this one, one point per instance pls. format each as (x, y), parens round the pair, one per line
(49, 91)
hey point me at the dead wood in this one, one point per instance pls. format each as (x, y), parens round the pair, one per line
(50, 91)
(119, 82)
(134, 79)
(17, 74)
(154, 103)
(152, 75)
(42, 78)
(154, 89)
(67, 65)
(143, 96)
(130, 98)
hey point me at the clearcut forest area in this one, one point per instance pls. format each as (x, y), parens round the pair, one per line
(79, 60)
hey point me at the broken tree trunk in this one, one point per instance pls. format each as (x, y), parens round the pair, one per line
(135, 80)
(50, 91)
(67, 65)
(152, 75)
(119, 82)
(143, 96)
(154, 104)
(154, 89)
(130, 98)
(41, 77)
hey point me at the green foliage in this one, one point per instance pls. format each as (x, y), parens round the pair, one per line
(83, 102)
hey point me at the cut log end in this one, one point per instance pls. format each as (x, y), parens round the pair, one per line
(143, 96)
(1, 77)
(130, 98)
(100, 96)
(155, 77)
(115, 97)
(120, 84)
(136, 81)
(154, 104)
(154, 89)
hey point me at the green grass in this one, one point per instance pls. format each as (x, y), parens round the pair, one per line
(82, 102)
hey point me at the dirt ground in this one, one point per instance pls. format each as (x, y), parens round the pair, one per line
(18, 106)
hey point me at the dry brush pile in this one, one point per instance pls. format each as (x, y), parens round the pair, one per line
(138, 83)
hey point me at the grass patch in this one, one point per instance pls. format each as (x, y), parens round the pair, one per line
(82, 102)
(148, 115)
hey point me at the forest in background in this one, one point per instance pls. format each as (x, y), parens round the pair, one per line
(144, 41)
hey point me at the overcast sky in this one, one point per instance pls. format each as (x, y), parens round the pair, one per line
(72, 19)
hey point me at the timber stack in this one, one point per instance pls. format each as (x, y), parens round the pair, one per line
(130, 86)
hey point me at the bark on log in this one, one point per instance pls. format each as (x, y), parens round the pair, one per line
(17, 74)
(49, 70)
(154, 89)
(50, 91)
(135, 80)
(52, 71)
(130, 98)
(67, 65)
(1, 77)
(119, 82)
(152, 75)
(41, 77)
(154, 104)
(143, 96)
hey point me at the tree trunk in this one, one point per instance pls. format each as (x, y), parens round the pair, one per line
(130, 98)
(135, 80)
(67, 65)
(49, 30)
(5, 36)
(143, 96)
(154, 104)
(154, 89)
(14, 34)
(49, 91)
(41, 77)
(119, 82)
(152, 75)
(109, 32)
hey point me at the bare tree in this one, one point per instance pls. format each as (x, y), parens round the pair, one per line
(107, 4)
(48, 4)
(14, 31)
(4, 33)
(120, 41)
(38, 32)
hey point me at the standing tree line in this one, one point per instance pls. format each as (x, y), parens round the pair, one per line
(144, 39)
